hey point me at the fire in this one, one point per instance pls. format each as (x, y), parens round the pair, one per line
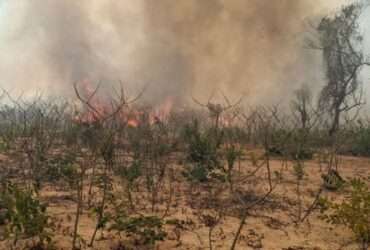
(162, 112)
(99, 109)
(133, 123)
(159, 114)
(132, 117)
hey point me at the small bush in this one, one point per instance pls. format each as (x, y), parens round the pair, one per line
(146, 230)
(302, 154)
(202, 149)
(60, 168)
(202, 152)
(353, 212)
(133, 172)
(332, 180)
(24, 217)
(3, 145)
(197, 173)
(361, 144)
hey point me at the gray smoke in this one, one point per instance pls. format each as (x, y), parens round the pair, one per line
(178, 48)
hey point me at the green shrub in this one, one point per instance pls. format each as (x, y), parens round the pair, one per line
(361, 144)
(201, 151)
(197, 173)
(3, 145)
(146, 230)
(353, 212)
(298, 169)
(133, 172)
(302, 154)
(24, 216)
(60, 168)
(332, 180)
(201, 146)
(232, 153)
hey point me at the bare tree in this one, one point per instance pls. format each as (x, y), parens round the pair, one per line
(340, 41)
(216, 110)
(303, 111)
(104, 118)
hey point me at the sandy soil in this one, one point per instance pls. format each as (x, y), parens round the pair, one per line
(270, 226)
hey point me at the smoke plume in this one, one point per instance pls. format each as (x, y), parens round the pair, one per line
(177, 48)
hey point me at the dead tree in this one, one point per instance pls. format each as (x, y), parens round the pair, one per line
(216, 110)
(305, 114)
(340, 42)
(103, 118)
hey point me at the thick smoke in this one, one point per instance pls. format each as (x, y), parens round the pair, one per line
(177, 48)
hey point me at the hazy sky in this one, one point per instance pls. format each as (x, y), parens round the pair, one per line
(177, 47)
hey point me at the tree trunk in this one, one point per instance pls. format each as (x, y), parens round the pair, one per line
(335, 123)
(78, 211)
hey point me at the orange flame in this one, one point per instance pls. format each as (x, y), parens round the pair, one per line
(162, 112)
(133, 123)
(100, 107)
(132, 118)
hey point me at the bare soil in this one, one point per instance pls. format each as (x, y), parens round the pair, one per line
(269, 226)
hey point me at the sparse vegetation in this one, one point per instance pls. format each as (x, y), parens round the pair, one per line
(24, 217)
(353, 212)
(100, 172)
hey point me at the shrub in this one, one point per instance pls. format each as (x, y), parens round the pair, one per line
(3, 145)
(132, 172)
(332, 180)
(146, 230)
(130, 175)
(298, 169)
(361, 144)
(302, 154)
(60, 168)
(197, 173)
(353, 212)
(232, 153)
(24, 217)
(202, 151)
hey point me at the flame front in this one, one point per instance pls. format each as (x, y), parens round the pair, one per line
(132, 117)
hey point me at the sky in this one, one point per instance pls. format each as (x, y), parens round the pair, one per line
(177, 48)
